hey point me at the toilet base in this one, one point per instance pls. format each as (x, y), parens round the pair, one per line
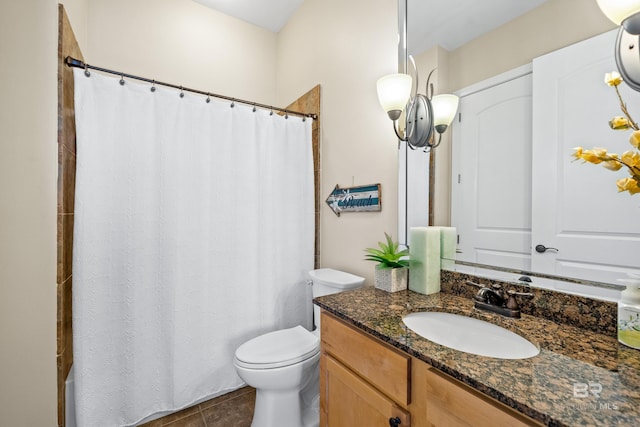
(311, 414)
(274, 408)
(280, 410)
(290, 407)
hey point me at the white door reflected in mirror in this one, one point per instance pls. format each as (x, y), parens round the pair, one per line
(515, 184)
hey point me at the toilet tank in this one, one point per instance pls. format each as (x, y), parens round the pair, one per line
(329, 281)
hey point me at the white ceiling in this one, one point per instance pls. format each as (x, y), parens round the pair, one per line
(452, 23)
(449, 23)
(268, 14)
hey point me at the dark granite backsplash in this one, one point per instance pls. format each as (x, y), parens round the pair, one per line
(582, 312)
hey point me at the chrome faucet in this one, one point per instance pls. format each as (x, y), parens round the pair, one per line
(491, 296)
(494, 299)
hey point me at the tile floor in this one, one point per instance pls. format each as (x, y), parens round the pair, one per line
(233, 409)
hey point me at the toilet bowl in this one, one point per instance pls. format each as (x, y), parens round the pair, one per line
(283, 366)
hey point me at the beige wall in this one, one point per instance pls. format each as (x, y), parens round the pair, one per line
(346, 46)
(184, 43)
(28, 171)
(555, 24)
(78, 14)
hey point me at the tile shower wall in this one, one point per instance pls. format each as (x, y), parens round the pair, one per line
(67, 46)
(310, 103)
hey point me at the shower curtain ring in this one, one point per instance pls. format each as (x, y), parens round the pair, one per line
(233, 102)
(121, 79)
(286, 114)
(181, 92)
(271, 112)
(86, 70)
(153, 86)
(208, 98)
(254, 108)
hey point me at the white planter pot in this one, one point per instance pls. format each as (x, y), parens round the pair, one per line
(391, 279)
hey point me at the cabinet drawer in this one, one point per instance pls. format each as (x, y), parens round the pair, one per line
(382, 366)
(451, 403)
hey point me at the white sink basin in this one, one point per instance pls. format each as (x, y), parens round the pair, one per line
(470, 335)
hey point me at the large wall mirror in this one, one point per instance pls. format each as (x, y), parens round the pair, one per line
(530, 76)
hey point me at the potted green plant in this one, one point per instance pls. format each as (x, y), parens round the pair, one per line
(392, 270)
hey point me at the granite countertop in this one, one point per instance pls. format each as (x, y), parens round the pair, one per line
(580, 378)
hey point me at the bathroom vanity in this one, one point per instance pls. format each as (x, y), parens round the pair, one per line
(375, 371)
(367, 382)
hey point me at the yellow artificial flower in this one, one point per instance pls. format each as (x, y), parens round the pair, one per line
(634, 139)
(613, 78)
(612, 162)
(619, 123)
(628, 184)
(590, 156)
(600, 152)
(631, 158)
(577, 153)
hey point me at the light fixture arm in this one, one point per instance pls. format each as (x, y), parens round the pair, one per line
(399, 92)
(439, 141)
(395, 129)
(429, 87)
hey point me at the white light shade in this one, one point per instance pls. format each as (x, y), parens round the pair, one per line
(619, 10)
(394, 91)
(444, 109)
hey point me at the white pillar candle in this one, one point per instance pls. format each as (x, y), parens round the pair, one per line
(424, 256)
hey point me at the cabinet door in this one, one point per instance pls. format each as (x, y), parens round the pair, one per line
(384, 367)
(351, 401)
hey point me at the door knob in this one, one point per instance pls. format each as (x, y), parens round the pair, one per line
(542, 249)
(395, 422)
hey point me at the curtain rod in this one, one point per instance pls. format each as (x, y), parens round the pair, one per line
(76, 63)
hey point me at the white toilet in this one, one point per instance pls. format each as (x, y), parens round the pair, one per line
(283, 366)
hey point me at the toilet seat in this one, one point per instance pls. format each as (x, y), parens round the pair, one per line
(278, 349)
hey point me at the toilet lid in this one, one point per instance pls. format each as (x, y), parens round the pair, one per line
(279, 348)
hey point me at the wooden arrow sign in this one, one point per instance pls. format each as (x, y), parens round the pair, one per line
(365, 198)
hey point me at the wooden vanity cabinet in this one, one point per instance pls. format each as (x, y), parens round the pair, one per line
(443, 401)
(363, 381)
(366, 382)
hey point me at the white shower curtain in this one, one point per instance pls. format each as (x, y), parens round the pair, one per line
(194, 231)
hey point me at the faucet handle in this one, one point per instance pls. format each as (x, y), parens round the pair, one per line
(477, 285)
(512, 303)
(520, 294)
